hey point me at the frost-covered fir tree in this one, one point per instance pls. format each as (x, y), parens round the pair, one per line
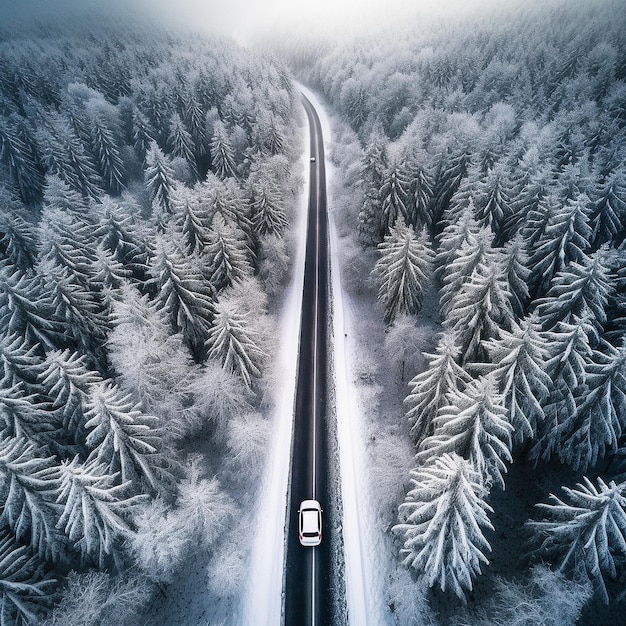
(473, 255)
(143, 134)
(442, 524)
(29, 483)
(181, 145)
(65, 379)
(515, 262)
(393, 196)
(475, 426)
(599, 422)
(268, 213)
(493, 198)
(18, 362)
(229, 254)
(479, 310)
(578, 294)
(519, 358)
(18, 236)
(420, 193)
(435, 387)
(121, 437)
(222, 152)
(402, 271)
(159, 179)
(608, 213)
(565, 239)
(26, 586)
(183, 293)
(233, 342)
(569, 352)
(191, 218)
(94, 509)
(104, 146)
(585, 531)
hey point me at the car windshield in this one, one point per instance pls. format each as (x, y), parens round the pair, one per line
(309, 522)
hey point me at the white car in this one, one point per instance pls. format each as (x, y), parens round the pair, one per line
(310, 523)
(312, 159)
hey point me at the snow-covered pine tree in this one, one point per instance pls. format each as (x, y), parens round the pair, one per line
(25, 309)
(442, 523)
(27, 589)
(143, 134)
(233, 343)
(193, 116)
(461, 229)
(420, 192)
(191, 219)
(479, 310)
(183, 293)
(403, 270)
(16, 154)
(65, 379)
(569, 352)
(435, 387)
(121, 437)
(104, 147)
(268, 213)
(372, 172)
(493, 197)
(515, 262)
(475, 426)
(18, 236)
(566, 238)
(585, 531)
(229, 254)
(472, 255)
(29, 483)
(519, 358)
(222, 152)
(159, 180)
(578, 294)
(393, 195)
(95, 506)
(608, 214)
(599, 422)
(181, 145)
(18, 362)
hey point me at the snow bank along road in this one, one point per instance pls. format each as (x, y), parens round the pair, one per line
(308, 570)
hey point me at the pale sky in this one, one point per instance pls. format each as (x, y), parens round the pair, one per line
(243, 19)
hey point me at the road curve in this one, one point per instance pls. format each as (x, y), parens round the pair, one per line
(308, 575)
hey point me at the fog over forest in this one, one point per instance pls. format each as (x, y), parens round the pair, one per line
(149, 180)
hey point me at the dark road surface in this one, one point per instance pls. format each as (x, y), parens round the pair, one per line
(308, 578)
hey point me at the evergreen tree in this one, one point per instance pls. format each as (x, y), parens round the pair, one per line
(475, 427)
(94, 509)
(393, 196)
(18, 237)
(493, 199)
(586, 530)
(28, 487)
(191, 219)
(519, 358)
(599, 421)
(143, 134)
(608, 214)
(222, 153)
(420, 193)
(18, 361)
(159, 179)
(479, 310)
(66, 379)
(435, 387)
(516, 270)
(402, 270)
(183, 293)
(568, 353)
(181, 144)
(120, 436)
(229, 255)
(268, 214)
(107, 155)
(234, 344)
(578, 295)
(442, 524)
(26, 588)
(566, 238)
(373, 166)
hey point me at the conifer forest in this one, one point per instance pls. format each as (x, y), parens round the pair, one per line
(148, 189)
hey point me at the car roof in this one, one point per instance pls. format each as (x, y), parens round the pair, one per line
(310, 504)
(309, 521)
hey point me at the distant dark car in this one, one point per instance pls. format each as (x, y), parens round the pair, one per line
(310, 523)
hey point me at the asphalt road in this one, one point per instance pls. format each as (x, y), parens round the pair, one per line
(308, 575)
